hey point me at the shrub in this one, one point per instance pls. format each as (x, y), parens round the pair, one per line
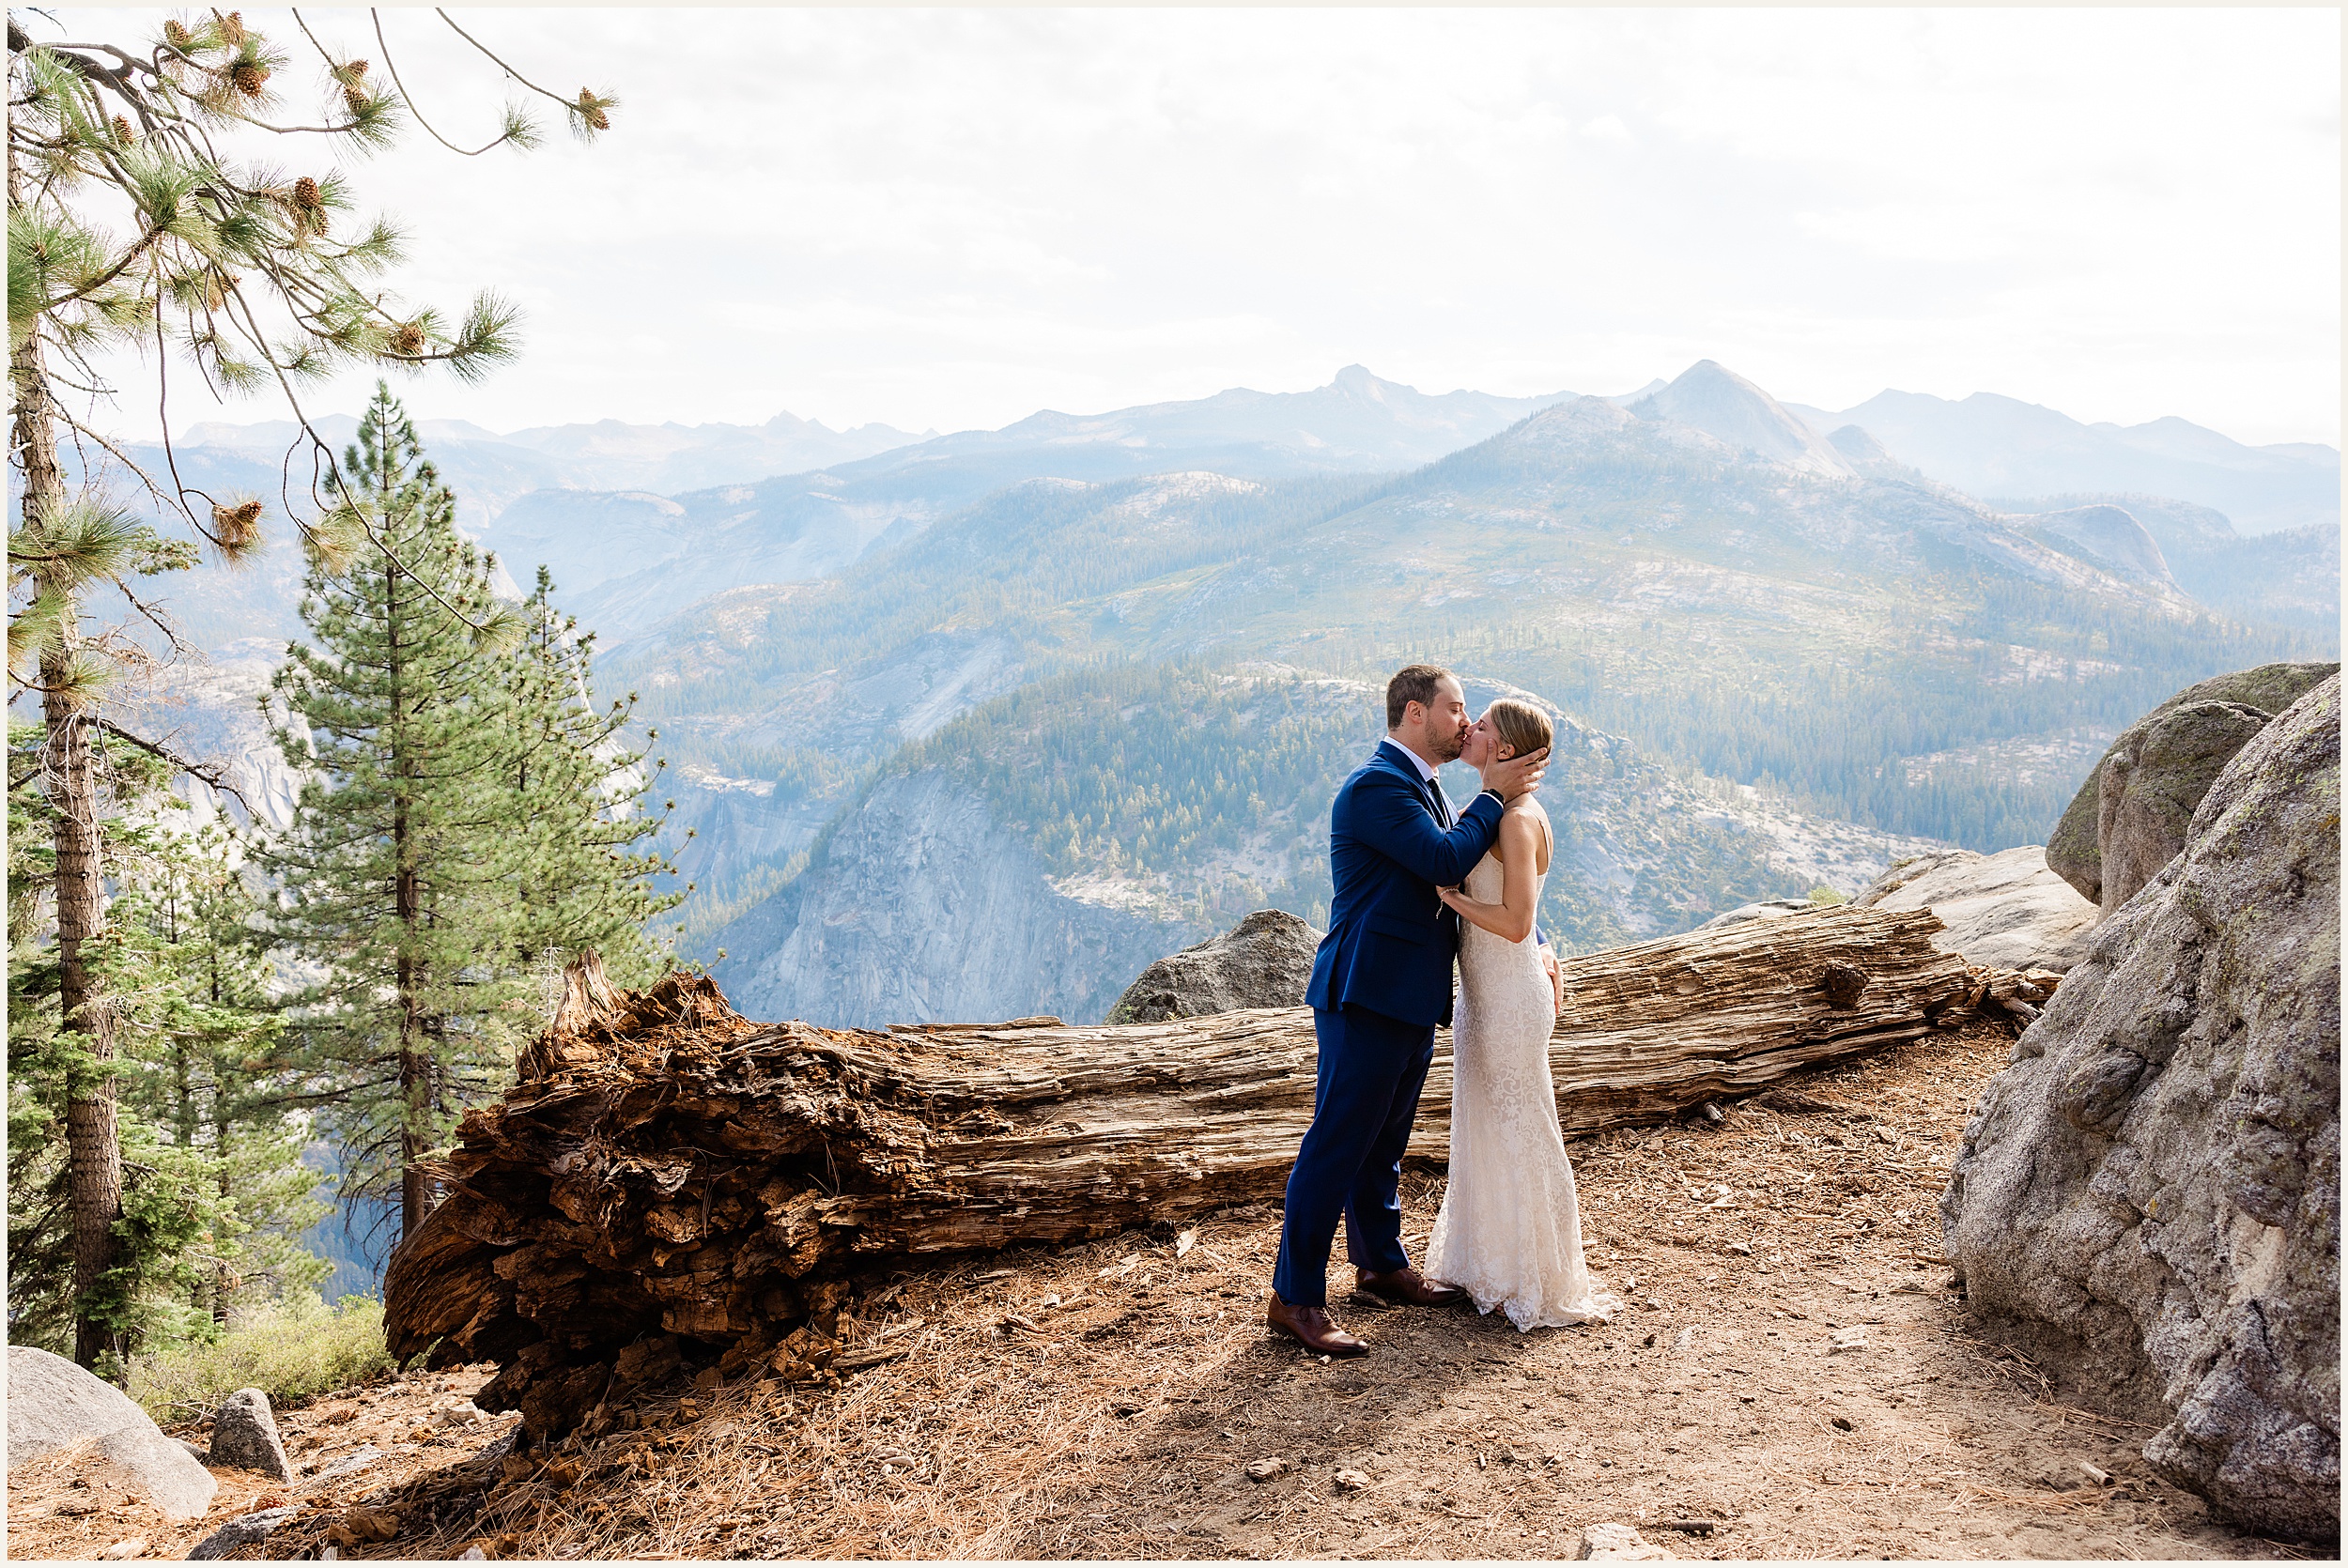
(291, 1353)
(1826, 895)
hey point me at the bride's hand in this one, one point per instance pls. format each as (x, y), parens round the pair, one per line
(1451, 895)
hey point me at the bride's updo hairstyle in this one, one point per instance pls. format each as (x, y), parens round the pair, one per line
(1522, 726)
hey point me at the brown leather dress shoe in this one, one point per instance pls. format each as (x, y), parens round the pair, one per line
(1409, 1288)
(1310, 1326)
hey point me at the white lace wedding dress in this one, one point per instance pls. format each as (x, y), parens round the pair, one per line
(1509, 1233)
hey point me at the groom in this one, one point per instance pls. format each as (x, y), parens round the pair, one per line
(1382, 981)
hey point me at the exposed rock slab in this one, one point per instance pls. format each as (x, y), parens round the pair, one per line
(1617, 1543)
(1761, 909)
(1266, 961)
(54, 1404)
(244, 1436)
(2075, 848)
(2002, 911)
(2151, 1190)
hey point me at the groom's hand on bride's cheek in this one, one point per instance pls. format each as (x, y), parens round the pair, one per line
(1535, 766)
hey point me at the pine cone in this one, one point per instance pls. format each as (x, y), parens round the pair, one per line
(592, 111)
(356, 98)
(122, 129)
(353, 72)
(408, 339)
(305, 195)
(248, 77)
(232, 26)
(235, 527)
(175, 35)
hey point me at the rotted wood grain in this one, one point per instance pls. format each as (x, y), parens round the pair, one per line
(666, 1168)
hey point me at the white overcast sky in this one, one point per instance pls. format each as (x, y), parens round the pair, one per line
(950, 219)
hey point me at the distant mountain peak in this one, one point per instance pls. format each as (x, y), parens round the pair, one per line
(1710, 397)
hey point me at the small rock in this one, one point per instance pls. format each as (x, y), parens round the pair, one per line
(1125, 1408)
(2100, 1477)
(1685, 1338)
(357, 1459)
(1352, 1481)
(1648, 1342)
(244, 1437)
(120, 1549)
(1267, 1469)
(1851, 1338)
(1742, 1249)
(473, 1554)
(1843, 1423)
(1617, 1543)
(240, 1532)
(1655, 1304)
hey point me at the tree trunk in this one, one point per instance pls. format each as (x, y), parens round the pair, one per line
(94, 1156)
(415, 1186)
(666, 1168)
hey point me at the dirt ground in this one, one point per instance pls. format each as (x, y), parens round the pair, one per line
(75, 1504)
(1108, 1400)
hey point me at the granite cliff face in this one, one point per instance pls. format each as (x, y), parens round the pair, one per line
(919, 908)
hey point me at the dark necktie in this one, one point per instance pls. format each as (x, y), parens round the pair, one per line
(1443, 806)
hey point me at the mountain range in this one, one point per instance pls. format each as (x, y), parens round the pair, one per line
(976, 724)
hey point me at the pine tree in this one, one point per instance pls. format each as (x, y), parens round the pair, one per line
(582, 883)
(134, 220)
(213, 1193)
(216, 1080)
(396, 868)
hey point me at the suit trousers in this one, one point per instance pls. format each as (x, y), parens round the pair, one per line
(1369, 1075)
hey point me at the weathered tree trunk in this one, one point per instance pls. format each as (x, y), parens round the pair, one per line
(666, 1168)
(93, 1153)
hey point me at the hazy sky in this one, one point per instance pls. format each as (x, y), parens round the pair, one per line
(952, 218)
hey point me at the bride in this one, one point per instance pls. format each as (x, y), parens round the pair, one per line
(1509, 1233)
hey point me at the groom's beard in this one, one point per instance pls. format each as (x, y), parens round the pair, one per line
(1449, 750)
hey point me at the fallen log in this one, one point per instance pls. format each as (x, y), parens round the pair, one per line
(668, 1181)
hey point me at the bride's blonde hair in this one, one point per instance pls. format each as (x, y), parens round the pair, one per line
(1521, 724)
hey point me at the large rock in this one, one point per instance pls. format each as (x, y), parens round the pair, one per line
(1266, 961)
(2161, 785)
(54, 1404)
(2006, 910)
(244, 1436)
(2151, 1191)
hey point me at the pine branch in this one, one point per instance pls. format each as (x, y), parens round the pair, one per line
(207, 772)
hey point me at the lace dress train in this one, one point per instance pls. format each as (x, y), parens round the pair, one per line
(1510, 1232)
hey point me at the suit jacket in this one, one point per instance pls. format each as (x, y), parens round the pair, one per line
(1391, 942)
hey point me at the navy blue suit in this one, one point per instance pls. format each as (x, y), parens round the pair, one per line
(1382, 981)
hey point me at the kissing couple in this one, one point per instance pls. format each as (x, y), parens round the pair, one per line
(1415, 886)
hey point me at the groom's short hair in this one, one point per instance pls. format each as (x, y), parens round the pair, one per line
(1417, 684)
